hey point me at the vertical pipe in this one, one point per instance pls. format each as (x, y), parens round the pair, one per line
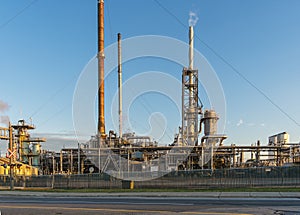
(61, 161)
(191, 127)
(212, 156)
(242, 157)
(101, 120)
(233, 156)
(257, 156)
(53, 163)
(202, 155)
(120, 85)
(53, 171)
(128, 162)
(71, 161)
(191, 65)
(183, 117)
(191, 47)
(99, 160)
(78, 159)
(10, 137)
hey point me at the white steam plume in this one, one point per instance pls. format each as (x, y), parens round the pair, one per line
(193, 18)
(240, 122)
(4, 120)
(3, 106)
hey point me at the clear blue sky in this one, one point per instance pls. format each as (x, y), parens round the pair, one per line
(44, 48)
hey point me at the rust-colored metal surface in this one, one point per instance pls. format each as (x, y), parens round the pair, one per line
(101, 119)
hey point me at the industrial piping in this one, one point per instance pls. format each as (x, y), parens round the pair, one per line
(191, 63)
(191, 47)
(120, 84)
(101, 119)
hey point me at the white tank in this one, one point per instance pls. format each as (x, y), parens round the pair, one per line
(210, 120)
(279, 139)
(273, 140)
(283, 138)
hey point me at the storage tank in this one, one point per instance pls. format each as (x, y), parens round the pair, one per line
(283, 138)
(36, 151)
(210, 120)
(25, 150)
(279, 139)
(273, 140)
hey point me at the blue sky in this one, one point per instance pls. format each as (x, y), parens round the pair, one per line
(44, 48)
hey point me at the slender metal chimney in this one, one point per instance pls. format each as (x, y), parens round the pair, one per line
(120, 84)
(191, 65)
(101, 119)
(191, 47)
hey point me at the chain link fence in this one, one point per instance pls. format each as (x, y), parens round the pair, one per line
(196, 179)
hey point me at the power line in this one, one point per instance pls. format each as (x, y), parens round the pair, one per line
(59, 90)
(147, 108)
(53, 116)
(53, 96)
(17, 14)
(230, 65)
(49, 100)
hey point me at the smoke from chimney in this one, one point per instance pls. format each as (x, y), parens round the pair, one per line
(4, 120)
(3, 106)
(193, 18)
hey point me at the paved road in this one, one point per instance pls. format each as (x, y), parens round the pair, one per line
(37, 204)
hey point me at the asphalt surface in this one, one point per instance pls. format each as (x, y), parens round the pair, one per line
(17, 202)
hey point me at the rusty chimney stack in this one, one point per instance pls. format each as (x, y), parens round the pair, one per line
(101, 120)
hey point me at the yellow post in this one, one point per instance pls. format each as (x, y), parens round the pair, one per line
(131, 185)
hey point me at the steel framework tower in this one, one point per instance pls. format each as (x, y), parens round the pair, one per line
(191, 111)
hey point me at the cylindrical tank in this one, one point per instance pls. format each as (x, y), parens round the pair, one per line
(210, 120)
(36, 151)
(24, 152)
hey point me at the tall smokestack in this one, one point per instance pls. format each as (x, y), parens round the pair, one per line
(191, 47)
(101, 120)
(191, 64)
(120, 83)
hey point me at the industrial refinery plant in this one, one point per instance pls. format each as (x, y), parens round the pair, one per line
(197, 145)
